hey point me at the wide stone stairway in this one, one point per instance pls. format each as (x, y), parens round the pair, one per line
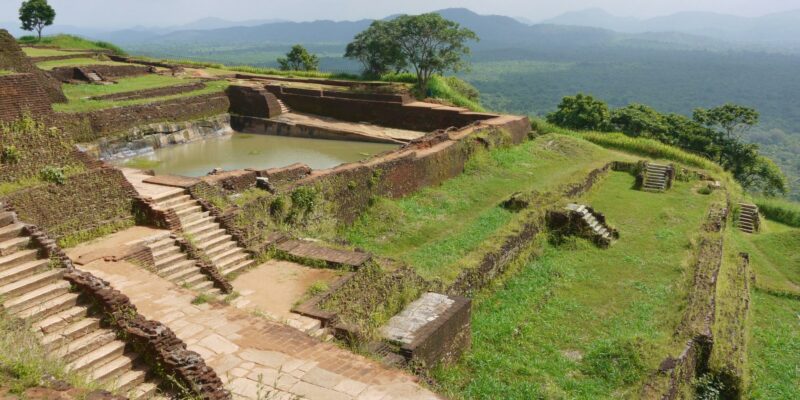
(656, 177)
(174, 265)
(201, 229)
(34, 290)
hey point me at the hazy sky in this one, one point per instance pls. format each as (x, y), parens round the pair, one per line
(126, 13)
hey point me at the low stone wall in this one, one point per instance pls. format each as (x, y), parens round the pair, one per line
(88, 201)
(22, 94)
(121, 120)
(279, 128)
(416, 116)
(68, 74)
(145, 139)
(253, 102)
(326, 82)
(62, 57)
(232, 181)
(157, 92)
(149, 63)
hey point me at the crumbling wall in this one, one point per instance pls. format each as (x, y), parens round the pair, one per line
(253, 102)
(88, 201)
(67, 74)
(27, 146)
(12, 58)
(22, 94)
(416, 116)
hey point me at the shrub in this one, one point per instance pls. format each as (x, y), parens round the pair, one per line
(277, 208)
(53, 175)
(780, 210)
(304, 198)
(10, 155)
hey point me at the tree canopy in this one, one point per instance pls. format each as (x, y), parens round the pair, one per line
(581, 112)
(299, 59)
(35, 15)
(426, 44)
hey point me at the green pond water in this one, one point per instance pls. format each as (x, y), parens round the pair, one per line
(241, 150)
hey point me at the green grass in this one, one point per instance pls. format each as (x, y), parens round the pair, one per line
(75, 62)
(780, 210)
(774, 347)
(70, 42)
(433, 229)
(80, 104)
(581, 322)
(45, 52)
(143, 82)
(775, 257)
(6, 72)
(445, 89)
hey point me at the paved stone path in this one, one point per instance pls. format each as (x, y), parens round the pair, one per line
(256, 357)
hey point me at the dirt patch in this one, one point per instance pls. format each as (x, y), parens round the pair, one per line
(275, 286)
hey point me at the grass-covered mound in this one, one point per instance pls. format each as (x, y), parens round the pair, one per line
(76, 62)
(582, 322)
(70, 42)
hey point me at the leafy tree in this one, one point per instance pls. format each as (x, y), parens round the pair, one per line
(299, 59)
(431, 44)
(581, 112)
(35, 15)
(640, 120)
(730, 119)
(377, 50)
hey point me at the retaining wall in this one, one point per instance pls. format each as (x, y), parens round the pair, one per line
(157, 92)
(67, 74)
(20, 94)
(12, 58)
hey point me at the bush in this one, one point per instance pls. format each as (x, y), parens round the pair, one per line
(53, 175)
(10, 155)
(455, 91)
(780, 210)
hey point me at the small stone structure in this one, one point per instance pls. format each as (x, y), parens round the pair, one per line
(253, 102)
(435, 328)
(749, 219)
(583, 221)
(657, 177)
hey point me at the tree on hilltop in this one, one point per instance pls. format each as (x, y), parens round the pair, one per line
(35, 15)
(299, 59)
(428, 44)
(581, 112)
(732, 120)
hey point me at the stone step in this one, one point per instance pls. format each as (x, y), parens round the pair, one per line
(237, 268)
(208, 235)
(169, 203)
(9, 246)
(85, 344)
(182, 274)
(11, 231)
(656, 167)
(114, 368)
(189, 210)
(185, 205)
(220, 256)
(201, 229)
(214, 291)
(167, 195)
(197, 225)
(99, 356)
(7, 218)
(192, 280)
(166, 252)
(239, 255)
(50, 307)
(161, 244)
(204, 286)
(31, 283)
(61, 319)
(74, 330)
(178, 266)
(128, 380)
(187, 219)
(145, 391)
(169, 260)
(212, 242)
(22, 271)
(220, 248)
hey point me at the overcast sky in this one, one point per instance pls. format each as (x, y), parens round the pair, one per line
(127, 13)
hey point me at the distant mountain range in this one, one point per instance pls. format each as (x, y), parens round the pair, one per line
(778, 29)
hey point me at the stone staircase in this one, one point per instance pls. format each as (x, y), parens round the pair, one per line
(174, 265)
(598, 228)
(284, 108)
(201, 228)
(749, 219)
(656, 177)
(33, 290)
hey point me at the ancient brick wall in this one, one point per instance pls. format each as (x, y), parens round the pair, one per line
(253, 102)
(35, 147)
(157, 92)
(66, 74)
(444, 339)
(108, 122)
(12, 58)
(90, 200)
(22, 93)
(412, 116)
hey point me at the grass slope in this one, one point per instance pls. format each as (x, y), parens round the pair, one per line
(434, 228)
(581, 322)
(70, 42)
(75, 62)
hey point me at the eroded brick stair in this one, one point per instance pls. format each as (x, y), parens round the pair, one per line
(656, 177)
(34, 290)
(599, 228)
(284, 108)
(749, 219)
(173, 264)
(205, 233)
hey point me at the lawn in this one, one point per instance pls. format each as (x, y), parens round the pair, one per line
(42, 52)
(79, 101)
(581, 322)
(75, 62)
(435, 227)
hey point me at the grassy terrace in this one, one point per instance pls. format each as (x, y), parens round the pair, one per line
(45, 52)
(581, 322)
(436, 228)
(79, 95)
(75, 62)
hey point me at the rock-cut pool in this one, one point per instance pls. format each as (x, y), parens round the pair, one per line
(241, 150)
